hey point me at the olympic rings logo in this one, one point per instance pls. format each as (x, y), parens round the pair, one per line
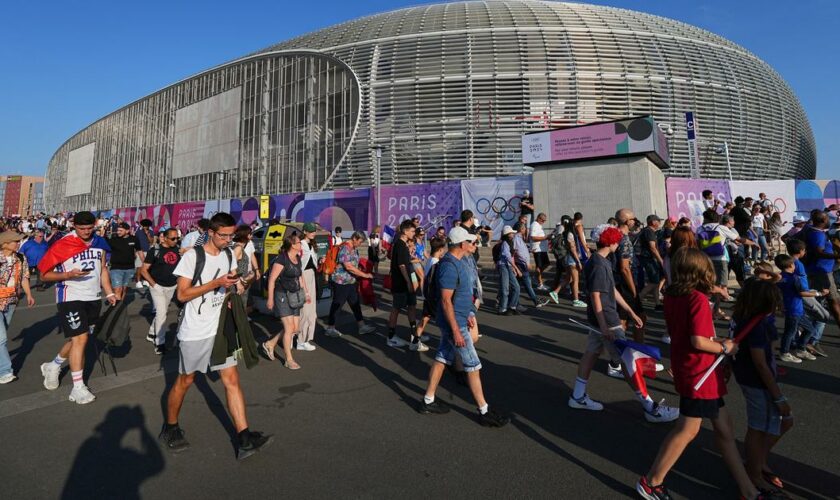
(498, 208)
(780, 205)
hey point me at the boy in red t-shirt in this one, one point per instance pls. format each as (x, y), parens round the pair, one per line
(694, 348)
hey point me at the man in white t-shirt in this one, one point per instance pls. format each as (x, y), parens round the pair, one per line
(203, 299)
(539, 247)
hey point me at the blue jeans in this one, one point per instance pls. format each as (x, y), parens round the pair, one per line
(792, 326)
(508, 288)
(762, 244)
(819, 328)
(5, 321)
(526, 281)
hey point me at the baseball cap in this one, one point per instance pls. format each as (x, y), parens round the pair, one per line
(309, 227)
(459, 235)
(507, 230)
(652, 218)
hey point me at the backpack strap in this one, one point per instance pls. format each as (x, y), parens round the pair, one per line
(200, 259)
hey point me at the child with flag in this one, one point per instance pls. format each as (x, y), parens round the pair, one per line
(694, 349)
(606, 333)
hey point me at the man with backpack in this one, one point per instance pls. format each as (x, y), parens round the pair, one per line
(342, 267)
(820, 259)
(713, 238)
(158, 269)
(404, 285)
(205, 274)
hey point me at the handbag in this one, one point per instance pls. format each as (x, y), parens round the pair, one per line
(296, 299)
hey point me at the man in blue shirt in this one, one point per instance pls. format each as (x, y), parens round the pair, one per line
(34, 249)
(820, 260)
(455, 318)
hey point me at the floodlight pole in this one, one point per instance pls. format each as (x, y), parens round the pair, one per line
(378, 186)
(728, 164)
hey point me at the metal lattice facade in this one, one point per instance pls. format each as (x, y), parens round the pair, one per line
(447, 90)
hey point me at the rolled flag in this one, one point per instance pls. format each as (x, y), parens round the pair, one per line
(388, 234)
(737, 339)
(639, 359)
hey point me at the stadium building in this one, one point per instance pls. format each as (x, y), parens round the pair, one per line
(444, 91)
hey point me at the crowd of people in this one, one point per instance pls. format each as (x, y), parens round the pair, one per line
(623, 269)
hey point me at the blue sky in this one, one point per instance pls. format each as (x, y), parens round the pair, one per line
(66, 63)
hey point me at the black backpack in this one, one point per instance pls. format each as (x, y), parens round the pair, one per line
(558, 245)
(496, 251)
(111, 330)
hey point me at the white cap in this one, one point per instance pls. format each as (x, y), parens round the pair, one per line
(526, 192)
(507, 230)
(459, 235)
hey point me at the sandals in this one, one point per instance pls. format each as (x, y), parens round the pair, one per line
(269, 353)
(292, 365)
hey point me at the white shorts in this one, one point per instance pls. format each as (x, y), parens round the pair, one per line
(195, 357)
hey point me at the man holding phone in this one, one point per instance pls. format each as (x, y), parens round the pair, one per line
(203, 301)
(77, 263)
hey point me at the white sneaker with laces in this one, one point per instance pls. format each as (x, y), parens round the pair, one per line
(789, 358)
(803, 354)
(366, 328)
(139, 285)
(305, 346)
(662, 413)
(419, 347)
(332, 332)
(50, 372)
(81, 395)
(660, 367)
(585, 403)
(578, 303)
(614, 372)
(396, 342)
(9, 377)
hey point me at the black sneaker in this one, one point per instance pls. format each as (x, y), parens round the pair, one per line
(160, 350)
(493, 419)
(252, 444)
(435, 407)
(649, 492)
(173, 438)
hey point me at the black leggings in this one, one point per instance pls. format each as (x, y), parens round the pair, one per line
(342, 294)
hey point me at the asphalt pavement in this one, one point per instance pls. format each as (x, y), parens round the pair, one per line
(346, 423)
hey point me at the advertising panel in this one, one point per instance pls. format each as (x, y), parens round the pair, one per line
(431, 203)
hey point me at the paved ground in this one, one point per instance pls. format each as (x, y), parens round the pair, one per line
(346, 423)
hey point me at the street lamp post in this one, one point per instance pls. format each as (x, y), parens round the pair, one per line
(728, 164)
(378, 185)
(171, 186)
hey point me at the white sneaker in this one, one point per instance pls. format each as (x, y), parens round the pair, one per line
(150, 337)
(803, 354)
(396, 342)
(579, 304)
(146, 283)
(305, 346)
(614, 372)
(332, 332)
(419, 347)
(50, 372)
(139, 285)
(585, 403)
(542, 288)
(666, 339)
(81, 395)
(789, 358)
(660, 367)
(9, 377)
(662, 413)
(366, 328)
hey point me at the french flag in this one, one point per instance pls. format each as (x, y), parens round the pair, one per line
(639, 359)
(388, 234)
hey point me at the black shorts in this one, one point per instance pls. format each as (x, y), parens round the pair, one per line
(404, 299)
(541, 260)
(635, 303)
(700, 408)
(78, 317)
(653, 271)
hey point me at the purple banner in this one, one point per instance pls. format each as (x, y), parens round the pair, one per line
(347, 209)
(685, 197)
(428, 202)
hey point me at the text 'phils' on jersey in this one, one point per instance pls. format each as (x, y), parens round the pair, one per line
(87, 287)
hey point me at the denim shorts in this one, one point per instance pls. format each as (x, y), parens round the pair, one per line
(569, 261)
(762, 414)
(121, 277)
(447, 350)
